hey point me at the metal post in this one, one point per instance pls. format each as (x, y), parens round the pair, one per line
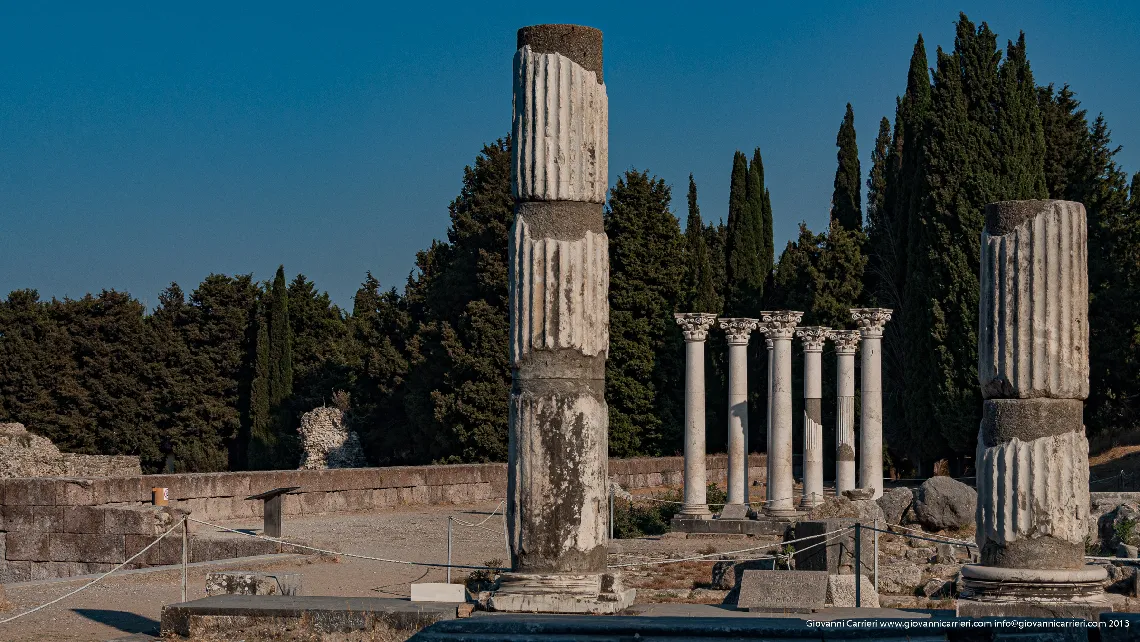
(185, 545)
(449, 549)
(875, 580)
(507, 536)
(858, 569)
(611, 510)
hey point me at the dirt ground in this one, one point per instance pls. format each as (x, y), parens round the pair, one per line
(121, 605)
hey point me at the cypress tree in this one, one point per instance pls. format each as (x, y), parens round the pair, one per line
(878, 217)
(1019, 129)
(845, 200)
(767, 244)
(737, 262)
(262, 438)
(280, 345)
(698, 276)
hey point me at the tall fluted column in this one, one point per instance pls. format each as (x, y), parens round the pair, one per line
(557, 459)
(1032, 456)
(781, 328)
(813, 337)
(846, 341)
(737, 331)
(871, 322)
(768, 415)
(695, 326)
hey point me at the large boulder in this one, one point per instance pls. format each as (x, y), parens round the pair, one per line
(943, 502)
(1121, 525)
(900, 579)
(896, 503)
(864, 510)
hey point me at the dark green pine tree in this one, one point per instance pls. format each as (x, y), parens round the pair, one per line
(767, 243)
(644, 372)
(846, 205)
(702, 295)
(263, 444)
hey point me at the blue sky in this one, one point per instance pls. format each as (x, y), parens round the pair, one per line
(141, 144)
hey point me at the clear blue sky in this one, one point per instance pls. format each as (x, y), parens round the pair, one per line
(141, 144)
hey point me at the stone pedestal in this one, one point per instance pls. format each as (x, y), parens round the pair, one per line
(559, 328)
(846, 341)
(695, 326)
(781, 326)
(871, 322)
(738, 332)
(813, 337)
(1032, 457)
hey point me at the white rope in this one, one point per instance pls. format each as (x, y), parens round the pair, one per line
(671, 501)
(465, 523)
(98, 579)
(942, 540)
(340, 553)
(743, 550)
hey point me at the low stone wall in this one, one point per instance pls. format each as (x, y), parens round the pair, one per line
(77, 465)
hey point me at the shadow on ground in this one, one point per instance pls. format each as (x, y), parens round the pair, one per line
(122, 620)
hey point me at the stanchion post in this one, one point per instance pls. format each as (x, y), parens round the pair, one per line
(875, 579)
(185, 546)
(858, 567)
(611, 510)
(449, 549)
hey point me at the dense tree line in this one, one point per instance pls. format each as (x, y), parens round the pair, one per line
(217, 379)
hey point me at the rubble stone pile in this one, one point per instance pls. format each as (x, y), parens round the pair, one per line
(327, 442)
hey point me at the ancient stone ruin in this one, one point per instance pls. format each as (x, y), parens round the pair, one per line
(1033, 472)
(327, 442)
(25, 454)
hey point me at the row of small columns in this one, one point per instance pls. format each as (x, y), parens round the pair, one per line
(779, 327)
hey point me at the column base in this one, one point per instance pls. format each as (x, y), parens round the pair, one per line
(808, 502)
(695, 511)
(782, 512)
(992, 591)
(594, 593)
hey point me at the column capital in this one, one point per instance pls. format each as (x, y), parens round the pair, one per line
(781, 324)
(813, 336)
(695, 325)
(871, 320)
(846, 341)
(738, 329)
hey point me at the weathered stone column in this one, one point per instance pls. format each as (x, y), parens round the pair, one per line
(871, 322)
(559, 327)
(738, 331)
(813, 337)
(781, 328)
(846, 341)
(768, 415)
(1032, 458)
(695, 326)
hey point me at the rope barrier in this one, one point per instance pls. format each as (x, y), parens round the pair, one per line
(743, 550)
(341, 553)
(485, 520)
(98, 579)
(958, 542)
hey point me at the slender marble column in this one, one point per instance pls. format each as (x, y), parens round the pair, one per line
(846, 341)
(813, 337)
(738, 332)
(871, 322)
(696, 329)
(781, 328)
(768, 415)
(557, 461)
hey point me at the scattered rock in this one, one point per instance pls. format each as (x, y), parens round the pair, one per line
(841, 591)
(1099, 508)
(859, 494)
(936, 588)
(942, 503)
(896, 504)
(1121, 579)
(865, 510)
(945, 554)
(726, 573)
(899, 579)
(1127, 551)
(922, 554)
(1122, 522)
(327, 442)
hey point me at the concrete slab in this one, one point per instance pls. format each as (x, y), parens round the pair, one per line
(783, 591)
(235, 616)
(438, 592)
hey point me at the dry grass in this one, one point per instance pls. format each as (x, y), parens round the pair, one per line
(1112, 454)
(683, 575)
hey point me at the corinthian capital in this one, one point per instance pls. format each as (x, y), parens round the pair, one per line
(813, 336)
(695, 325)
(845, 340)
(738, 330)
(781, 324)
(871, 320)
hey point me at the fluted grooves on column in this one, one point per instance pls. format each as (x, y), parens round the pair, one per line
(1029, 489)
(845, 428)
(1033, 326)
(560, 292)
(561, 124)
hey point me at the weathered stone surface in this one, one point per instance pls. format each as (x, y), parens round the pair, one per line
(79, 465)
(561, 129)
(863, 510)
(26, 454)
(327, 442)
(900, 579)
(1121, 521)
(783, 591)
(257, 583)
(83, 547)
(1035, 489)
(896, 503)
(837, 556)
(1033, 334)
(1028, 419)
(726, 573)
(943, 502)
(841, 592)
